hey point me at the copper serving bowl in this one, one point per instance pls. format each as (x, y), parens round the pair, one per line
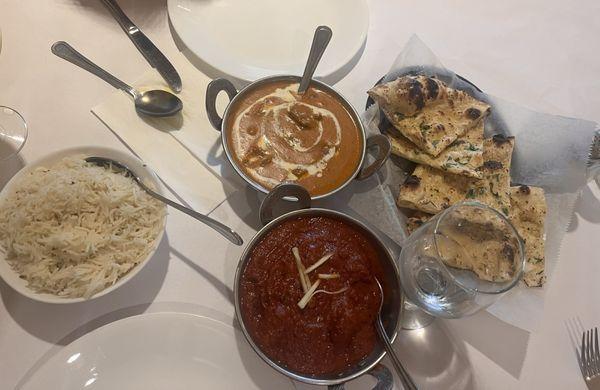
(393, 296)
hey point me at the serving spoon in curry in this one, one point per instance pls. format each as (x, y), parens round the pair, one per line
(405, 378)
(152, 103)
(319, 44)
(225, 231)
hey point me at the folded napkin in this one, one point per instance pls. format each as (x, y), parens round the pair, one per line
(184, 150)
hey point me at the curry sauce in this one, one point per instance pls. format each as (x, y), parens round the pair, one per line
(276, 135)
(335, 331)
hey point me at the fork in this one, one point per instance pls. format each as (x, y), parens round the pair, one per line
(590, 359)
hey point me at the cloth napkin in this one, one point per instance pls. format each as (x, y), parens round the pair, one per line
(184, 150)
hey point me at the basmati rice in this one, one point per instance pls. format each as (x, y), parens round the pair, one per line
(72, 229)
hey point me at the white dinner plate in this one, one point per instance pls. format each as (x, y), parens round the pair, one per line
(165, 350)
(253, 39)
(12, 278)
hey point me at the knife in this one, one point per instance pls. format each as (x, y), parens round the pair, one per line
(145, 46)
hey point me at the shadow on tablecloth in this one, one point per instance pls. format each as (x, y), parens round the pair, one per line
(435, 358)
(504, 344)
(221, 287)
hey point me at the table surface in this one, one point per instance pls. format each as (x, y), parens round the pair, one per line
(540, 54)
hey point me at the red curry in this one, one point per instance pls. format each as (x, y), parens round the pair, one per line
(333, 332)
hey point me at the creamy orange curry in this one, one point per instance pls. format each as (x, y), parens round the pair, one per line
(276, 135)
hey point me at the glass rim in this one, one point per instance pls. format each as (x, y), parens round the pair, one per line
(518, 275)
(25, 135)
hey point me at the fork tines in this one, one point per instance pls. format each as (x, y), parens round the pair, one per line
(590, 353)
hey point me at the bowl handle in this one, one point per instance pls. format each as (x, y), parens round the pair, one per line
(385, 379)
(212, 91)
(277, 194)
(384, 147)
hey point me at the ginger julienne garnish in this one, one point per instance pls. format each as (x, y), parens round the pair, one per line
(304, 280)
(329, 276)
(309, 294)
(308, 288)
(319, 263)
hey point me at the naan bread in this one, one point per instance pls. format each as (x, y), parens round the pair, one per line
(416, 220)
(463, 157)
(477, 241)
(480, 242)
(527, 213)
(428, 112)
(431, 190)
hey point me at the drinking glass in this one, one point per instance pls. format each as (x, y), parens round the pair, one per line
(13, 132)
(459, 262)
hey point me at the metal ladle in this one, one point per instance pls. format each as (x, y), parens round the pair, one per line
(216, 225)
(405, 378)
(153, 103)
(320, 41)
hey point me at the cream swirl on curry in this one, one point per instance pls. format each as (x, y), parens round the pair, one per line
(277, 135)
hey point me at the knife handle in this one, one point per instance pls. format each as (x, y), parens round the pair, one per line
(126, 24)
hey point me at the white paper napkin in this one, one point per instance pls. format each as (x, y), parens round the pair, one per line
(184, 151)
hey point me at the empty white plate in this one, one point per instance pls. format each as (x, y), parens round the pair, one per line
(158, 351)
(253, 39)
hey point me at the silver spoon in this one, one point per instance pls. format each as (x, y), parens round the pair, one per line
(405, 378)
(320, 41)
(152, 103)
(216, 225)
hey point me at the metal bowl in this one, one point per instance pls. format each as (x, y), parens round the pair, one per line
(393, 295)
(360, 173)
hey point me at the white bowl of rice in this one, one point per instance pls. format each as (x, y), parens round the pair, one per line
(71, 231)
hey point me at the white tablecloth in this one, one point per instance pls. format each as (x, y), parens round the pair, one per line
(541, 54)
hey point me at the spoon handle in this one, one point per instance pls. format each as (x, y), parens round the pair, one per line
(225, 231)
(67, 52)
(405, 378)
(320, 41)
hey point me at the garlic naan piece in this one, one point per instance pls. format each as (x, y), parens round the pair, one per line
(428, 112)
(463, 157)
(527, 214)
(431, 190)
